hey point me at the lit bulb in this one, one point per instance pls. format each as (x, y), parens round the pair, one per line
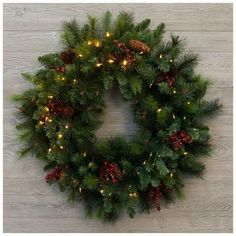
(107, 34)
(171, 60)
(150, 154)
(185, 153)
(63, 78)
(41, 122)
(159, 110)
(97, 44)
(89, 43)
(50, 96)
(61, 147)
(141, 53)
(46, 108)
(173, 116)
(49, 150)
(188, 103)
(60, 136)
(184, 117)
(160, 56)
(174, 91)
(144, 162)
(111, 61)
(195, 129)
(101, 191)
(98, 64)
(66, 126)
(46, 118)
(85, 154)
(124, 62)
(80, 55)
(171, 175)
(50, 120)
(74, 81)
(80, 189)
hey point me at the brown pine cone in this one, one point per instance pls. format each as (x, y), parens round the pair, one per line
(68, 111)
(68, 57)
(139, 46)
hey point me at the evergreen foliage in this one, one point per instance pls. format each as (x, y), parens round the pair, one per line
(60, 114)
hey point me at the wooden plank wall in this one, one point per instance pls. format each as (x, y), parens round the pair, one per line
(30, 205)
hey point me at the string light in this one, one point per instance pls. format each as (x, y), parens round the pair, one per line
(46, 118)
(66, 126)
(144, 162)
(80, 190)
(61, 147)
(141, 53)
(90, 164)
(74, 81)
(188, 103)
(50, 120)
(133, 195)
(124, 62)
(173, 116)
(160, 56)
(159, 110)
(85, 154)
(174, 91)
(185, 153)
(50, 96)
(195, 129)
(150, 154)
(46, 108)
(111, 61)
(49, 150)
(89, 43)
(101, 191)
(60, 136)
(98, 64)
(80, 55)
(41, 122)
(97, 44)
(108, 34)
(184, 117)
(63, 78)
(171, 60)
(171, 175)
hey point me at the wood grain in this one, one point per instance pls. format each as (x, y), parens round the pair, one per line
(30, 205)
(49, 41)
(182, 17)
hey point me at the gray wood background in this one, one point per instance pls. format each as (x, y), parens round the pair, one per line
(30, 205)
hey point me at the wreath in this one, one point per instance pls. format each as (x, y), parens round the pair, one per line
(61, 112)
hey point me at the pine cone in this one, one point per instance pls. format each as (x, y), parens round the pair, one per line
(68, 111)
(139, 46)
(68, 57)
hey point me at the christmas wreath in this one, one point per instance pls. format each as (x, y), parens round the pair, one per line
(63, 109)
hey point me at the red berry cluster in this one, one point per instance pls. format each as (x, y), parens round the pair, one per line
(54, 174)
(57, 107)
(61, 69)
(154, 195)
(169, 80)
(110, 172)
(179, 138)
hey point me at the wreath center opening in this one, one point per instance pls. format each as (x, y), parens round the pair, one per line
(117, 118)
